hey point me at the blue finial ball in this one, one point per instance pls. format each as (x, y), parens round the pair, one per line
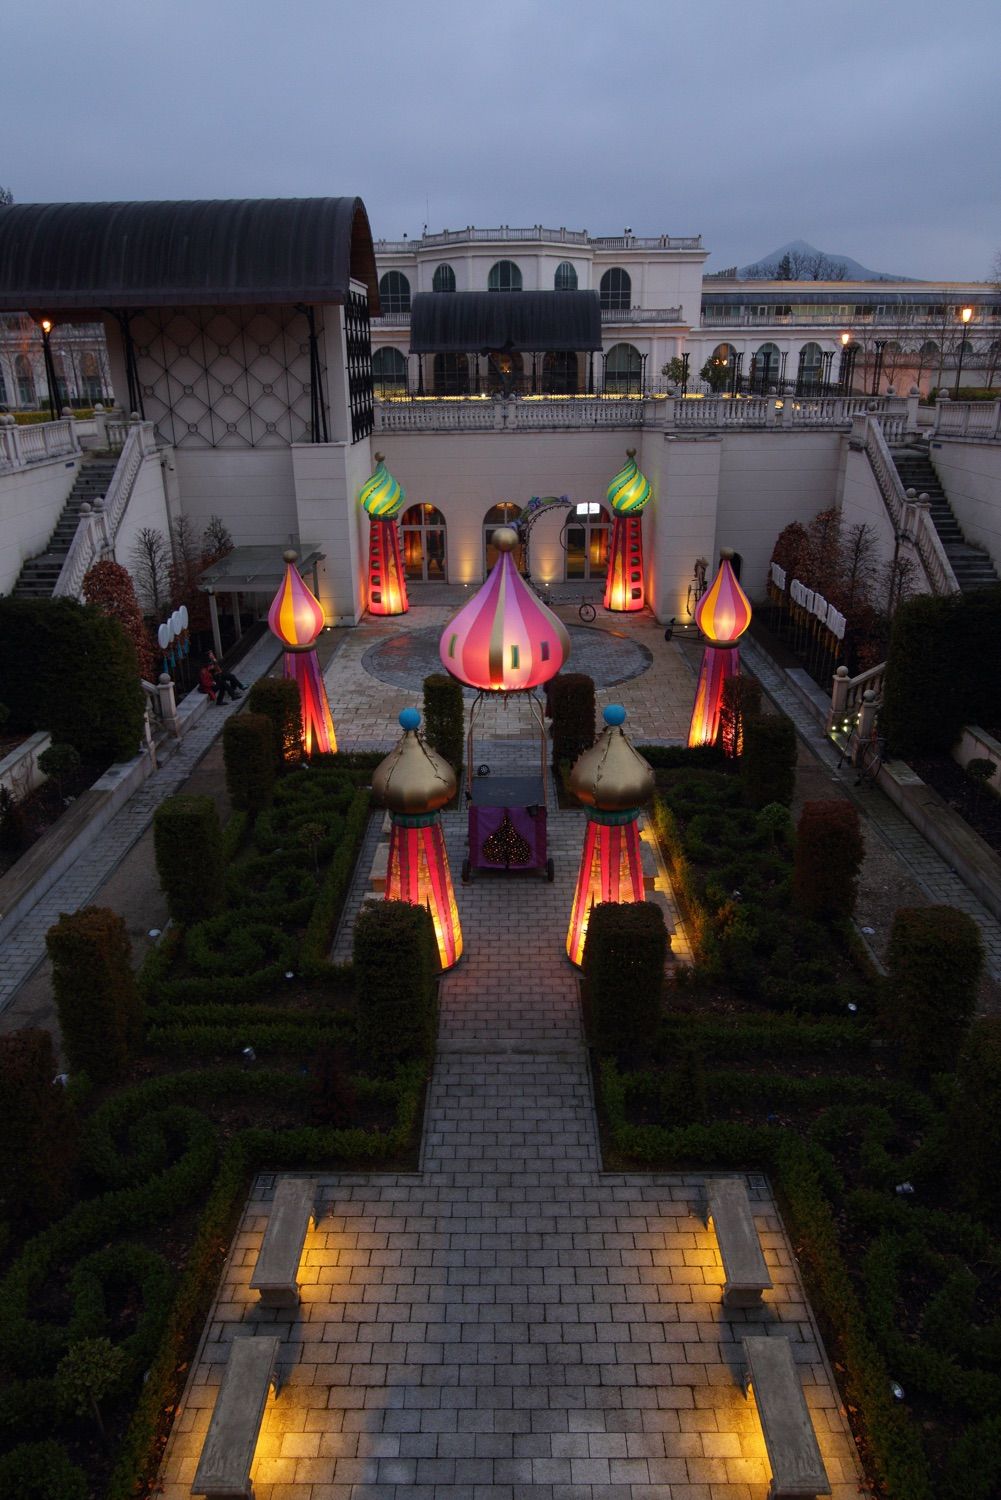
(410, 718)
(615, 714)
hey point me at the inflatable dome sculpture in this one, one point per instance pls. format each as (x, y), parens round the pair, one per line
(382, 497)
(296, 618)
(627, 494)
(722, 614)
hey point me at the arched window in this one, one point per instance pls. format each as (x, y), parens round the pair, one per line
(623, 369)
(765, 365)
(451, 375)
(809, 373)
(389, 373)
(443, 279)
(585, 540)
(718, 368)
(25, 381)
(504, 277)
(394, 292)
(615, 291)
(505, 514)
(929, 347)
(559, 373)
(565, 279)
(90, 377)
(423, 530)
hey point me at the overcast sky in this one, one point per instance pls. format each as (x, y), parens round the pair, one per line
(868, 127)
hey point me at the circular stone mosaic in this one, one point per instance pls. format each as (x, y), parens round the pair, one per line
(405, 660)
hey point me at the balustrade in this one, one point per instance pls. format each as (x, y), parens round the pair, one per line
(973, 419)
(98, 526)
(33, 444)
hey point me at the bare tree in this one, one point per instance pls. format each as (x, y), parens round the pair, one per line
(217, 539)
(151, 568)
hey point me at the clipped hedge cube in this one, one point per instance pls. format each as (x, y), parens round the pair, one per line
(187, 838)
(444, 718)
(248, 748)
(975, 1121)
(40, 1132)
(278, 699)
(396, 967)
(935, 961)
(570, 696)
(624, 956)
(768, 762)
(100, 1012)
(829, 853)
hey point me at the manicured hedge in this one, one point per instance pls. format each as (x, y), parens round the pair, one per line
(39, 1130)
(395, 965)
(100, 1010)
(943, 669)
(768, 763)
(571, 702)
(828, 860)
(625, 952)
(975, 1120)
(248, 748)
(935, 960)
(187, 839)
(277, 698)
(444, 718)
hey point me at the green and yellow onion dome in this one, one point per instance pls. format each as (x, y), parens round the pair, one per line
(413, 778)
(629, 491)
(382, 495)
(612, 776)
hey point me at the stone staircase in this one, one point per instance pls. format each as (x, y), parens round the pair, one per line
(39, 575)
(972, 565)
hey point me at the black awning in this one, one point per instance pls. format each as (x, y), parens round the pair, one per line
(467, 322)
(59, 256)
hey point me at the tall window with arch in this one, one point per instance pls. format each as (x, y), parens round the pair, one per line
(565, 279)
(615, 290)
(623, 370)
(25, 381)
(422, 528)
(809, 375)
(586, 537)
(504, 514)
(765, 366)
(389, 373)
(718, 368)
(394, 292)
(443, 279)
(504, 276)
(90, 377)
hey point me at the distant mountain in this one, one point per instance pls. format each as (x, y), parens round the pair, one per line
(804, 256)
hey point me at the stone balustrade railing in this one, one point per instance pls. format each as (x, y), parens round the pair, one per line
(21, 446)
(910, 515)
(98, 525)
(855, 702)
(980, 420)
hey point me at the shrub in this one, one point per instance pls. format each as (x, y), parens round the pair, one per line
(571, 703)
(975, 1120)
(187, 839)
(333, 1097)
(39, 1129)
(683, 757)
(41, 1471)
(768, 764)
(943, 669)
(68, 668)
(445, 718)
(248, 748)
(395, 967)
(95, 991)
(741, 701)
(278, 699)
(109, 587)
(624, 957)
(59, 762)
(14, 835)
(934, 960)
(828, 858)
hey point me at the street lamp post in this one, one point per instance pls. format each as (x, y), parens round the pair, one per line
(878, 368)
(966, 314)
(844, 379)
(50, 369)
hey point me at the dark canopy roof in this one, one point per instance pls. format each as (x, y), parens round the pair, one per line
(460, 322)
(83, 255)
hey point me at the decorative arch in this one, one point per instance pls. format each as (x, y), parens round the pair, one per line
(809, 374)
(623, 369)
(443, 279)
(389, 372)
(424, 535)
(615, 290)
(565, 279)
(504, 276)
(720, 363)
(394, 292)
(766, 363)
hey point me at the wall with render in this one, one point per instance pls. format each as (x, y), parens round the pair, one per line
(147, 507)
(971, 477)
(31, 500)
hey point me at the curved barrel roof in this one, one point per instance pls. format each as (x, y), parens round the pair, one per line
(459, 322)
(262, 250)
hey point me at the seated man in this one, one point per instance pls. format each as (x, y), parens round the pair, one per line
(222, 682)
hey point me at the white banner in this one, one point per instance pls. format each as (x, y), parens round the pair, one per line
(820, 608)
(778, 576)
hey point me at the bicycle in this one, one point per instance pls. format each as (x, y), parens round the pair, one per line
(585, 609)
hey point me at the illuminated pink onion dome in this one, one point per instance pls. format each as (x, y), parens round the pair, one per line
(724, 611)
(504, 640)
(296, 615)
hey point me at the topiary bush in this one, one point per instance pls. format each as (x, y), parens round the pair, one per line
(943, 669)
(187, 839)
(109, 587)
(768, 764)
(935, 960)
(278, 699)
(70, 669)
(100, 1012)
(395, 965)
(828, 858)
(248, 748)
(445, 718)
(975, 1121)
(59, 762)
(624, 956)
(41, 1471)
(40, 1131)
(571, 703)
(741, 701)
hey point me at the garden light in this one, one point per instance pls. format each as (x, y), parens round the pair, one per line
(296, 618)
(613, 781)
(382, 497)
(627, 494)
(722, 614)
(414, 782)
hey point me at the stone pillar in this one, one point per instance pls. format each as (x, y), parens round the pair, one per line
(839, 700)
(168, 704)
(867, 716)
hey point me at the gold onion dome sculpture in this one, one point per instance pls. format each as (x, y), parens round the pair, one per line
(612, 776)
(413, 778)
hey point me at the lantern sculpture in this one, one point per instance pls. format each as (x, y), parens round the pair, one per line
(296, 618)
(613, 781)
(628, 493)
(413, 782)
(383, 496)
(505, 640)
(722, 614)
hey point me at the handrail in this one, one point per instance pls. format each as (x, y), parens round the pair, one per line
(97, 527)
(21, 446)
(536, 233)
(911, 518)
(969, 419)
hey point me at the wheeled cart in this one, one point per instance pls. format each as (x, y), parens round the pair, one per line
(507, 826)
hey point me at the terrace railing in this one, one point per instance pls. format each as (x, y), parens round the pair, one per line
(968, 419)
(21, 446)
(911, 518)
(98, 525)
